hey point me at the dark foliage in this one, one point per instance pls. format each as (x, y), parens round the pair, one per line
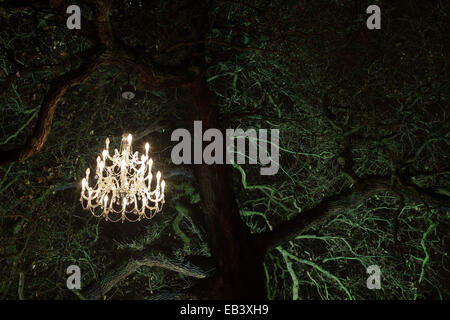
(364, 148)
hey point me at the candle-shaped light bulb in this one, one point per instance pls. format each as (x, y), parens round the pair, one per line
(150, 163)
(126, 179)
(158, 176)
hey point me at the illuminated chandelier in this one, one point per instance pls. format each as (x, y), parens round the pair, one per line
(123, 190)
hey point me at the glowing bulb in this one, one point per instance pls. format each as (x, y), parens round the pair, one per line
(158, 176)
(125, 178)
(150, 163)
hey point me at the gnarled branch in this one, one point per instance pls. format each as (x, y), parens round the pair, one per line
(351, 197)
(149, 260)
(58, 88)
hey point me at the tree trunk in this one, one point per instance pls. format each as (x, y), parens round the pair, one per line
(239, 268)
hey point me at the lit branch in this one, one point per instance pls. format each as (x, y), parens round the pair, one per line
(149, 260)
(349, 198)
(58, 88)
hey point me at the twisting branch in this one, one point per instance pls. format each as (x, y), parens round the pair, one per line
(107, 50)
(149, 260)
(345, 159)
(58, 88)
(351, 197)
(103, 27)
(151, 74)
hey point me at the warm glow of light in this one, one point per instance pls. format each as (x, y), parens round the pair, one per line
(123, 190)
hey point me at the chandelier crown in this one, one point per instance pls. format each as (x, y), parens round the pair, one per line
(123, 187)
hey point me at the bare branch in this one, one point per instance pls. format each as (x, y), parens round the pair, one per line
(149, 260)
(330, 206)
(151, 74)
(58, 88)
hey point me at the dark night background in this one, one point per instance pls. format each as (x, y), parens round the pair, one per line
(364, 148)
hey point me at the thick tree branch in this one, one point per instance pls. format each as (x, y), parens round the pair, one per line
(110, 50)
(58, 88)
(351, 197)
(151, 75)
(103, 27)
(149, 260)
(345, 159)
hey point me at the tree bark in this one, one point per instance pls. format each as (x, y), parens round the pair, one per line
(238, 261)
(58, 88)
(348, 198)
(149, 260)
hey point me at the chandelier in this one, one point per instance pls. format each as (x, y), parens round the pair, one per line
(123, 188)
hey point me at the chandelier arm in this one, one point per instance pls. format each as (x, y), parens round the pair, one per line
(113, 220)
(126, 183)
